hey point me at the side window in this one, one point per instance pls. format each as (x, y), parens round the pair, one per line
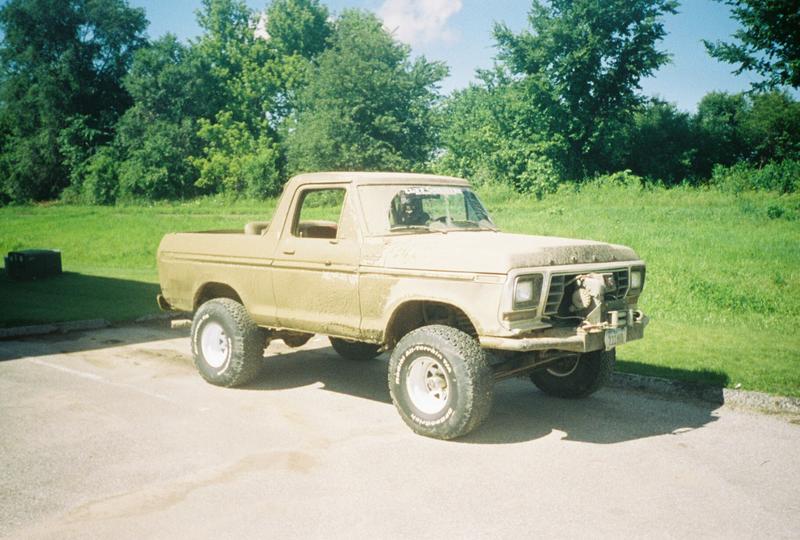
(318, 213)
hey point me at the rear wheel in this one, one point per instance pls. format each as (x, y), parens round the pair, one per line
(354, 350)
(577, 376)
(440, 382)
(228, 348)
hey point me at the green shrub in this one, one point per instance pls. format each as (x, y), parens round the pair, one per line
(494, 193)
(155, 165)
(101, 184)
(781, 177)
(234, 162)
(617, 179)
(538, 178)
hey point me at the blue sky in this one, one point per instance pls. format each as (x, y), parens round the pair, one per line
(459, 32)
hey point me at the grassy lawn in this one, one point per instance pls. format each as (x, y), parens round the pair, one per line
(723, 280)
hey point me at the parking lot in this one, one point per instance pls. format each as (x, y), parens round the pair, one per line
(112, 434)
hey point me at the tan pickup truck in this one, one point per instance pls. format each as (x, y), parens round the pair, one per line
(411, 264)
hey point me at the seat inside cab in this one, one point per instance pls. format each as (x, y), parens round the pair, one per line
(317, 229)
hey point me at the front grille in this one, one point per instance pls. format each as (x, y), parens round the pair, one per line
(554, 294)
(620, 288)
(560, 284)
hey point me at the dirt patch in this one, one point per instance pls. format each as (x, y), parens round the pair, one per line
(159, 497)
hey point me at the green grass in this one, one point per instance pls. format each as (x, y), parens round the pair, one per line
(108, 255)
(723, 280)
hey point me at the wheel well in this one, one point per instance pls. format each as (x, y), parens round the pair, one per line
(209, 291)
(418, 313)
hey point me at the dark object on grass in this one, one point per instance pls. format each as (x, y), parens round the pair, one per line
(33, 264)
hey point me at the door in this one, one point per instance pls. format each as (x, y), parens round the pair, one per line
(316, 264)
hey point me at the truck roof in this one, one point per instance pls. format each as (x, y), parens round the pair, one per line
(364, 178)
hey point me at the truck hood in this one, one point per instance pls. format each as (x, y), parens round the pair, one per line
(494, 252)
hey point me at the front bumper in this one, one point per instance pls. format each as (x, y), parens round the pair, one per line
(578, 340)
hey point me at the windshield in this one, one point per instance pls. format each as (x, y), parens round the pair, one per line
(403, 209)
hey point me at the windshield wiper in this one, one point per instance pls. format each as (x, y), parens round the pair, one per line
(424, 228)
(438, 226)
(472, 226)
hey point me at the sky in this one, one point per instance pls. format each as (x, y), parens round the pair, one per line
(459, 32)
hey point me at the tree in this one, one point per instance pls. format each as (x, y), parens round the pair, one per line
(491, 134)
(471, 134)
(756, 128)
(298, 27)
(581, 63)
(767, 43)
(367, 105)
(298, 31)
(218, 100)
(719, 126)
(661, 143)
(172, 88)
(61, 93)
(235, 57)
(234, 161)
(259, 75)
(771, 128)
(173, 81)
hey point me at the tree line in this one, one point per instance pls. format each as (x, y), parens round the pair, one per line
(92, 111)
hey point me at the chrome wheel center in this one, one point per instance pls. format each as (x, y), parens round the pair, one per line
(427, 385)
(214, 343)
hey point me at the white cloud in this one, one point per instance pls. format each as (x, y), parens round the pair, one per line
(418, 22)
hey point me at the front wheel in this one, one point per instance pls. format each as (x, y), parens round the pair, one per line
(576, 376)
(440, 382)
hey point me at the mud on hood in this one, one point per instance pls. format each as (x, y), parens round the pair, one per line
(494, 253)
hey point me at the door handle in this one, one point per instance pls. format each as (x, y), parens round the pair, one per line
(288, 251)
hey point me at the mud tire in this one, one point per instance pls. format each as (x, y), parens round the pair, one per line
(358, 351)
(243, 353)
(469, 380)
(593, 370)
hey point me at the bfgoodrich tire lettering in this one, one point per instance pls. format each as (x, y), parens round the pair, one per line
(576, 378)
(440, 382)
(227, 346)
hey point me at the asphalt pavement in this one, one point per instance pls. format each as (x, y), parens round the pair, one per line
(112, 434)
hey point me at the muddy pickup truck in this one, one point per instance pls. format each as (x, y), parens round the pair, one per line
(411, 264)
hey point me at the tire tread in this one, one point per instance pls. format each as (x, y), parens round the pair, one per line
(594, 371)
(479, 377)
(248, 342)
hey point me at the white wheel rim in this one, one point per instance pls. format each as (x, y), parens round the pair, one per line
(427, 385)
(214, 343)
(566, 371)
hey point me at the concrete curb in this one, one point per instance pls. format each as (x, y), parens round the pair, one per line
(744, 399)
(63, 327)
(164, 316)
(76, 326)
